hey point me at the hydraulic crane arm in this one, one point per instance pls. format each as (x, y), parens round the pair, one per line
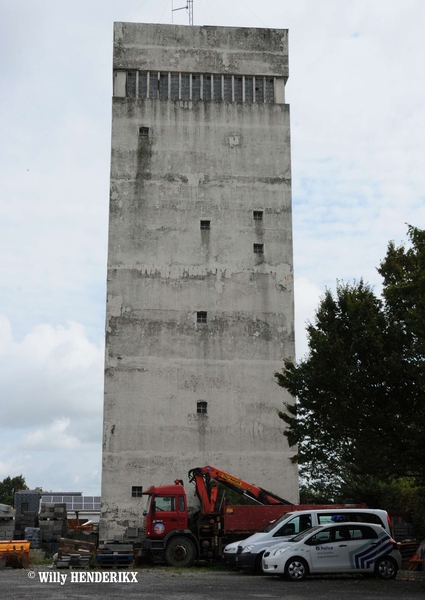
(207, 494)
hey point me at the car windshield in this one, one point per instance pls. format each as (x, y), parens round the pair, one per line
(305, 533)
(273, 524)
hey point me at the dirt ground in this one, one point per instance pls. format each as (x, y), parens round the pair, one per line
(203, 584)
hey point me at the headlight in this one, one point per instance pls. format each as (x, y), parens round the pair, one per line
(247, 549)
(279, 551)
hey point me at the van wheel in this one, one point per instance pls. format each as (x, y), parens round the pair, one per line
(180, 552)
(386, 568)
(296, 569)
(258, 569)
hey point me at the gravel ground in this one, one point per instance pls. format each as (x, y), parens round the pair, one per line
(202, 584)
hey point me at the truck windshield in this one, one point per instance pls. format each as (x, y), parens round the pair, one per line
(165, 503)
(273, 524)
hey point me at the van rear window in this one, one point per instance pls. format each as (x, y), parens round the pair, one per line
(349, 517)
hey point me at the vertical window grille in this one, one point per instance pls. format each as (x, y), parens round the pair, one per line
(202, 407)
(143, 85)
(163, 86)
(201, 317)
(131, 84)
(217, 87)
(207, 87)
(174, 86)
(249, 94)
(258, 215)
(136, 491)
(206, 225)
(258, 248)
(228, 89)
(238, 89)
(185, 87)
(196, 87)
(153, 85)
(259, 89)
(269, 90)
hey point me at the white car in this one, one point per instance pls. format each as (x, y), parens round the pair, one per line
(337, 548)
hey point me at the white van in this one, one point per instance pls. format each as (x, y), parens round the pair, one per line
(248, 553)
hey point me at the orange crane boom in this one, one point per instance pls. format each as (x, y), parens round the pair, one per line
(207, 492)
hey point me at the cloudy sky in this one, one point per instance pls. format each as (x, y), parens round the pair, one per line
(357, 96)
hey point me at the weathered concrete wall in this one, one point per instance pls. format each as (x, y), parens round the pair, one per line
(202, 160)
(202, 49)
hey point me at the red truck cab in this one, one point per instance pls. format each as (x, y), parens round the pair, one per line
(166, 510)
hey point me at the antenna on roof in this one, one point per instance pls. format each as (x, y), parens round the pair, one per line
(188, 8)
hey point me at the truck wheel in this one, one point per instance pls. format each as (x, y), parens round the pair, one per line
(296, 569)
(180, 552)
(385, 568)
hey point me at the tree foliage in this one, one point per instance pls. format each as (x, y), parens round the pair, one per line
(360, 410)
(8, 487)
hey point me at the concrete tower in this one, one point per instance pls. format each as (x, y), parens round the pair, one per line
(200, 277)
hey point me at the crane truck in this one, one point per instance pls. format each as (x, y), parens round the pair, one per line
(170, 535)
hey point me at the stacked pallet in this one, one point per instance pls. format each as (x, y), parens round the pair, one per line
(67, 561)
(7, 524)
(32, 534)
(52, 521)
(75, 553)
(115, 555)
(26, 519)
(417, 561)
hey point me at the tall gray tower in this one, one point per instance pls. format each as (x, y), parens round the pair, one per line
(200, 278)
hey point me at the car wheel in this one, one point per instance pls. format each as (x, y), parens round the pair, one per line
(180, 552)
(296, 569)
(386, 568)
(258, 569)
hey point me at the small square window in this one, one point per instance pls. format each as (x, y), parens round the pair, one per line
(201, 317)
(144, 131)
(258, 248)
(258, 215)
(136, 491)
(202, 407)
(206, 225)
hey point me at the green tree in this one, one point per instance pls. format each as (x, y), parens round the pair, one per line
(360, 410)
(403, 271)
(8, 487)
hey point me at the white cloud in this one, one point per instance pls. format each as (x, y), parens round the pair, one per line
(51, 385)
(53, 373)
(53, 437)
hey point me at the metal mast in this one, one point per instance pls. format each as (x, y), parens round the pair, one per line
(188, 8)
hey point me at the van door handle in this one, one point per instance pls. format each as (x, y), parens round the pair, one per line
(342, 546)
